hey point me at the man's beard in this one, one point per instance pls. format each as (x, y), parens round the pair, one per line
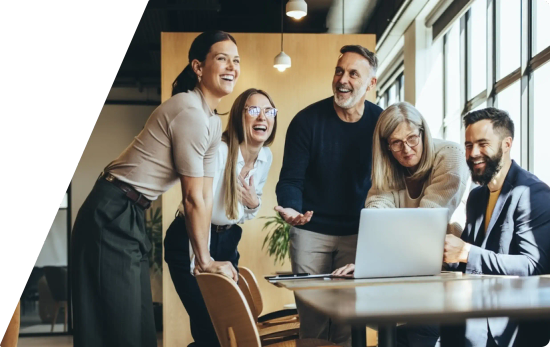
(492, 167)
(355, 96)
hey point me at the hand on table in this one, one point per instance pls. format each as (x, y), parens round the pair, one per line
(344, 270)
(456, 250)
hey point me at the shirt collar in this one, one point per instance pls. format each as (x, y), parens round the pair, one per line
(262, 156)
(205, 106)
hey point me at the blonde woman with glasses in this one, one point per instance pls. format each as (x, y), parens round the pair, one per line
(410, 169)
(242, 164)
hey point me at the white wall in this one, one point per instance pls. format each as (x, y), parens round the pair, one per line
(54, 250)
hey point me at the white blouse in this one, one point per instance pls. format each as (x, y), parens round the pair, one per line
(259, 172)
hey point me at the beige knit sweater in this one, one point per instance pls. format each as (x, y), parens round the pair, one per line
(446, 186)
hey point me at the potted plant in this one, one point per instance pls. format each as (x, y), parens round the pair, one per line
(278, 238)
(153, 227)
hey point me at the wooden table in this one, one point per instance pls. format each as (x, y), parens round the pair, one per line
(445, 299)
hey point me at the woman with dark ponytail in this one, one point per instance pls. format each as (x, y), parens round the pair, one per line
(110, 270)
(242, 162)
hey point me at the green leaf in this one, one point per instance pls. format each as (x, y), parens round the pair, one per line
(277, 239)
(268, 224)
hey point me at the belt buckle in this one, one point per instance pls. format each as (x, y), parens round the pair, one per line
(143, 202)
(109, 177)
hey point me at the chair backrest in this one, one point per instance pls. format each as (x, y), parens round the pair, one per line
(11, 336)
(229, 312)
(254, 289)
(245, 289)
(57, 281)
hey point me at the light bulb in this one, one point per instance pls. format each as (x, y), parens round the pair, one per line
(296, 14)
(282, 61)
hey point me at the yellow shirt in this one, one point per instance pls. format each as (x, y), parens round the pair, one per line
(493, 197)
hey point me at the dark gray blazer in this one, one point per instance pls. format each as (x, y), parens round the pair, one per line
(517, 241)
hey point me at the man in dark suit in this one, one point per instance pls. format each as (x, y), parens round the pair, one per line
(507, 225)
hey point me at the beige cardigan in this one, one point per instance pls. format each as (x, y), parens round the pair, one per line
(447, 186)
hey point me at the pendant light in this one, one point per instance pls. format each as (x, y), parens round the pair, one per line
(296, 9)
(282, 60)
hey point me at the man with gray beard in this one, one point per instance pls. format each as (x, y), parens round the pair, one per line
(325, 178)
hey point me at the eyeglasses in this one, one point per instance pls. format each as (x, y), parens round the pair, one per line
(254, 111)
(411, 141)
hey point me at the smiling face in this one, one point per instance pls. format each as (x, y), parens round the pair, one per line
(485, 149)
(258, 129)
(220, 70)
(352, 78)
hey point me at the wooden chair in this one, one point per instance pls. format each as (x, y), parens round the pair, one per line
(269, 332)
(57, 282)
(11, 335)
(277, 317)
(232, 317)
(281, 316)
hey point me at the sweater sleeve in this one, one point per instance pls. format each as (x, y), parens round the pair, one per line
(380, 199)
(449, 182)
(295, 163)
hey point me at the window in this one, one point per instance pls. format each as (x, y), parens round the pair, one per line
(494, 26)
(453, 129)
(393, 89)
(430, 101)
(542, 123)
(392, 94)
(508, 36)
(481, 106)
(453, 104)
(541, 25)
(509, 101)
(382, 102)
(402, 88)
(477, 52)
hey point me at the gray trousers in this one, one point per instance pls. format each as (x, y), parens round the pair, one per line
(112, 303)
(319, 254)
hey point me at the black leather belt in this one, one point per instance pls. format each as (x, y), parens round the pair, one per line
(130, 191)
(220, 228)
(217, 228)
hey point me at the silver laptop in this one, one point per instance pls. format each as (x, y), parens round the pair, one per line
(400, 242)
(395, 242)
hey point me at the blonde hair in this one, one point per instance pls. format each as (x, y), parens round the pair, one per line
(387, 173)
(233, 136)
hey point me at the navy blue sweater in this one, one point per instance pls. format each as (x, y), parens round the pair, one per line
(327, 167)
